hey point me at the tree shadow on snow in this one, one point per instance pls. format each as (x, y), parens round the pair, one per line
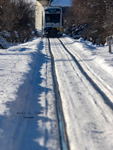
(24, 128)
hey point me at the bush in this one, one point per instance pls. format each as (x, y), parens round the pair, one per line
(17, 18)
(97, 14)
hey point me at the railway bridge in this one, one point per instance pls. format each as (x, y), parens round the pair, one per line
(40, 4)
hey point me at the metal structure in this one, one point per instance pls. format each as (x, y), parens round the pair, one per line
(52, 22)
(109, 41)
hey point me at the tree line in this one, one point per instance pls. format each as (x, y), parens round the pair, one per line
(17, 19)
(97, 14)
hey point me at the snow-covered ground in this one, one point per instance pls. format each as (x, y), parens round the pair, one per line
(89, 120)
(98, 59)
(28, 118)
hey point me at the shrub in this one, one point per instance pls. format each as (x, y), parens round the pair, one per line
(97, 14)
(17, 18)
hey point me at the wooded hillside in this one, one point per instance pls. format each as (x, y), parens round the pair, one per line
(16, 20)
(97, 14)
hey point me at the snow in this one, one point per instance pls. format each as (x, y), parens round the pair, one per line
(96, 56)
(27, 103)
(88, 119)
(28, 118)
(3, 43)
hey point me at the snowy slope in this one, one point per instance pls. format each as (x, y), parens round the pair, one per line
(61, 3)
(28, 119)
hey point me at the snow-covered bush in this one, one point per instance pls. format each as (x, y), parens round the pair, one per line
(17, 22)
(97, 14)
(75, 31)
(3, 43)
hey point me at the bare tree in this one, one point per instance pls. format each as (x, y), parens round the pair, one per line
(97, 14)
(17, 17)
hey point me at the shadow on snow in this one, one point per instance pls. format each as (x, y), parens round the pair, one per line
(22, 127)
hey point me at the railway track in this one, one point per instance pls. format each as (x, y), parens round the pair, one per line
(66, 64)
(62, 129)
(92, 77)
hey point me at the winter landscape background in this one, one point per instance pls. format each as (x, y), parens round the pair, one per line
(80, 63)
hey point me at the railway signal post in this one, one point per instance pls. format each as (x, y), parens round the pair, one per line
(109, 41)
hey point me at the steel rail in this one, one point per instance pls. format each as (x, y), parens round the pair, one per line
(61, 120)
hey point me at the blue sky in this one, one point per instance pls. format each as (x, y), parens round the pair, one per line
(57, 2)
(62, 2)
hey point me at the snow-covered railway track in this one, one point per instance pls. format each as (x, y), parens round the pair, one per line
(61, 122)
(88, 120)
(92, 77)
